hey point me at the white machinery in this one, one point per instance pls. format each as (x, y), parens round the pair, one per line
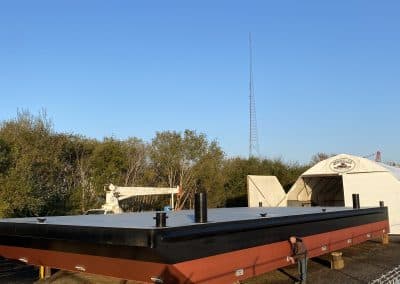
(115, 194)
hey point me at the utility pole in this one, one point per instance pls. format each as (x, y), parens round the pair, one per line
(254, 150)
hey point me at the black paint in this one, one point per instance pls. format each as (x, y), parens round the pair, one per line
(356, 200)
(177, 244)
(200, 207)
(161, 219)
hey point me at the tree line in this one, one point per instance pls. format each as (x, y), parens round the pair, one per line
(43, 172)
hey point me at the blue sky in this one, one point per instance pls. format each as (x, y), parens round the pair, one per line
(326, 73)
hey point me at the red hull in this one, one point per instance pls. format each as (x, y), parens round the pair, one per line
(221, 268)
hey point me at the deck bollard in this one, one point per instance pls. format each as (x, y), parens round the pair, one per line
(356, 201)
(161, 219)
(200, 207)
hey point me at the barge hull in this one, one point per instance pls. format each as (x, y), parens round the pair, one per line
(220, 268)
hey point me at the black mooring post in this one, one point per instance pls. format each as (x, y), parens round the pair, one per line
(381, 204)
(200, 207)
(260, 204)
(161, 219)
(356, 201)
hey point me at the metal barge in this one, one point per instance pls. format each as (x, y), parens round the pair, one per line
(231, 244)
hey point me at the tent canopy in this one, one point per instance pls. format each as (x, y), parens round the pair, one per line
(265, 189)
(332, 182)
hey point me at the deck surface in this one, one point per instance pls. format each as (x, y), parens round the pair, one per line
(175, 218)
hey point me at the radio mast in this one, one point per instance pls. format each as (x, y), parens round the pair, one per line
(254, 150)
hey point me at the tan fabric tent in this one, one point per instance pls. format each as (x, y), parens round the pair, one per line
(265, 189)
(333, 181)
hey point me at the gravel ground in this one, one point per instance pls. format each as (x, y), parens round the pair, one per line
(363, 263)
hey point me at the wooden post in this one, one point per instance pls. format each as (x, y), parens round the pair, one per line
(385, 239)
(337, 260)
(44, 272)
(41, 272)
(47, 272)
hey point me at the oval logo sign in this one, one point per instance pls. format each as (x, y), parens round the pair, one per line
(342, 165)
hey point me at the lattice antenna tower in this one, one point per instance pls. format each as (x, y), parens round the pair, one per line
(254, 150)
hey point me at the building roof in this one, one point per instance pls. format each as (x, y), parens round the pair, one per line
(394, 170)
(349, 164)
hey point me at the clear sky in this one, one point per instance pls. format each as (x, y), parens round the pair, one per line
(326, 73)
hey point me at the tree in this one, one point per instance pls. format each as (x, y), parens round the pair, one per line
(5, 156)
(107, 164)
(237, 169)
(209, 175)
(43, 172)
(135, 154)
(320, 156)
(33, 185)
(235, 172)
(76, 156)
(175, 157)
